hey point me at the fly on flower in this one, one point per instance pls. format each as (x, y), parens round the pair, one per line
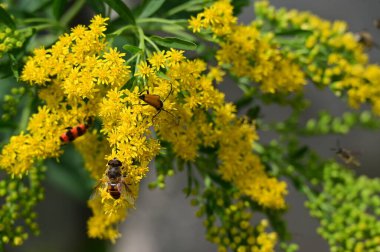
(114, 183)
(156, 102)
(366, 39)
(346, 155)
(73, 133)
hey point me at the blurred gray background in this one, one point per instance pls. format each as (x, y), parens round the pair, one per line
(164, 221)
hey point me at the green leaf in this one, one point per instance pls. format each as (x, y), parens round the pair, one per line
(9, 125)
(98, 6)
(58, 7)
(6, 18)
(150, 7)
(14, 66)
(253, 113)
(294, 32)
(174, 43)
(122, 9)
(176, 30)
(163, 76)
(132, 49)
(239, 6)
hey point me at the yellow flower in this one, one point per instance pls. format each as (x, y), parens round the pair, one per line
(157, 60)
(248, 53)
(195, 23)
(144, 70)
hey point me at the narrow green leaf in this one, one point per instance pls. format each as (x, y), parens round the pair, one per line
(14, 66)
(150, 7)
(132, 49)
(174, 43)
(122, 9)
(176, 30)
(58, 7)
(294, 32)
(98, 6)
(6, 18)
(9, 125)
(163, 76)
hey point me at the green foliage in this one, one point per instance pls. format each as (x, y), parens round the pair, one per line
(348, 210)
(20, 196)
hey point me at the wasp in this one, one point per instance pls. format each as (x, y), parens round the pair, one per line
(346, 155)
(115, 183)
(73, 133)
(156, 102)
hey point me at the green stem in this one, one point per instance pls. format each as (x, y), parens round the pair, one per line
(109, 10)
(37, 20)
(25, 114)
(141, 44)
(152, 43)
(72, 12)
(122, 29)
(133, 57)
(42, 27)
(160, 20)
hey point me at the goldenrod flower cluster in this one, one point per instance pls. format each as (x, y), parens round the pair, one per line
(348, 209)
(74, 76)
(228, 222)
(65, 72)
(12, 39)
(333, 57)
(81, 78)
(246, 52)
(203, 119)
(19, 198)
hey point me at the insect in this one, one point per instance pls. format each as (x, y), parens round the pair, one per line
(376, 23)
(346, 155)
(366, 39)
(73, 133)
(114, 182)
(156, 102)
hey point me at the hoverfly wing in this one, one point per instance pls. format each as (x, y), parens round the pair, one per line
(126, 193)
(95, 191)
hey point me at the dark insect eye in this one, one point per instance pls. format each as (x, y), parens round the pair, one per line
(114, 162)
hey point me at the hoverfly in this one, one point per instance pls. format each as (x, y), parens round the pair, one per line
(346, 155)
(115, 183)
(366, 39)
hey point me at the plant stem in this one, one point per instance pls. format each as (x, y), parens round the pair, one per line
(72, 12)
(25, 113)
(152, 43)
(160, 20)
(141, 44)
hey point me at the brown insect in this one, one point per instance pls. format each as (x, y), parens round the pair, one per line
(156, 102)
(346, 155)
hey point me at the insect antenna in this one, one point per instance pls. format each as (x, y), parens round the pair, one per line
(171, 89)
(175, 117)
